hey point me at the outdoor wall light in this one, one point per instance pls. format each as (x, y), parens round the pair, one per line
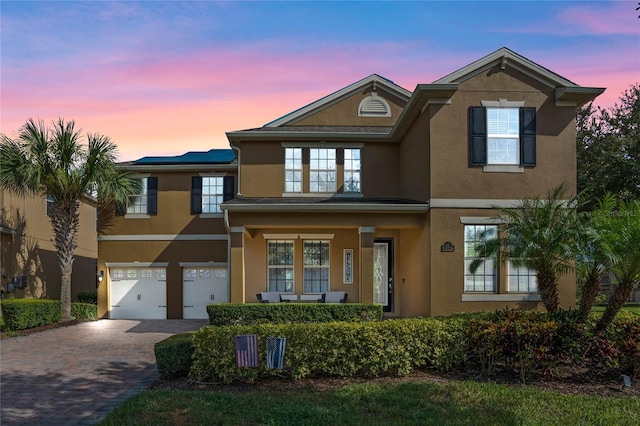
(100, 276)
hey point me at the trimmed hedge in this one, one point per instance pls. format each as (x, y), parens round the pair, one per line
(174, 355)
(337, 349)
(20, 314)
(84, 311)
(279, 313)
(87, 297)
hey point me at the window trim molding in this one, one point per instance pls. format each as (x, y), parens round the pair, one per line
(502, 103)
(322, 144)
(503, 297)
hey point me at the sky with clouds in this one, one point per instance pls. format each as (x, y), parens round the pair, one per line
(166, 77)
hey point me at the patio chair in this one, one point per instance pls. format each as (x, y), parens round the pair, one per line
(334, 297)
(270, 297)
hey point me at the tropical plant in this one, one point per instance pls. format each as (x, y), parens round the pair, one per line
(537, 233)
(593, 254)
(52, 161)
(620, 229)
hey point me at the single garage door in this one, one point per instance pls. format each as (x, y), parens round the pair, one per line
(203, 286)
(138, 293)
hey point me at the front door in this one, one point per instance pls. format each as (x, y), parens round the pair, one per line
(383, 273)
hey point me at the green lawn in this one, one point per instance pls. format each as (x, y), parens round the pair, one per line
(453, 403)
(634, 308)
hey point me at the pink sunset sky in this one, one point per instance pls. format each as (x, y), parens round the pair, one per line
(163, 78)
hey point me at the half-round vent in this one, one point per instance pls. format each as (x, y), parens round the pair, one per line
(374, 106)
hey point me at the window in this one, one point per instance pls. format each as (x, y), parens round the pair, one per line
(209, 192)
(293, 170)
(351, 170)
(212, 193)
(522, 279)
(146, 201)
(322, 170)
(280, 266)
(503, 139)
(316, 266)
(484, 278)
(502, 136)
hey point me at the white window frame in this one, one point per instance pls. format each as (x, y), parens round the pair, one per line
(503, 136)
(522, 279)
(483, 273)
(138, 205)
(216, 195)
(293, 170)
(322, 170)
(321, 264)
(352, 168)
(289, 280)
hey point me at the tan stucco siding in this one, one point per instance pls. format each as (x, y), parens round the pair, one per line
(414, 161)
(345, 112)
(447, 268)
(555, 142)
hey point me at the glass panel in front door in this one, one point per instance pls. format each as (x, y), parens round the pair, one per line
(381, 273)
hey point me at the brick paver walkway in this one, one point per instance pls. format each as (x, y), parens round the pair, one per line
(78, 374)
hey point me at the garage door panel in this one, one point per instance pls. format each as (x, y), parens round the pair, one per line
(202, 287)
(138, 293)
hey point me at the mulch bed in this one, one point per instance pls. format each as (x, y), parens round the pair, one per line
(570, 381)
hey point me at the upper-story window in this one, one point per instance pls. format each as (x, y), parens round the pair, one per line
(209, 192)
(322, 170)
(145, 202)
(293, 170)
(352, 170)
(212, 192)
(502, 135)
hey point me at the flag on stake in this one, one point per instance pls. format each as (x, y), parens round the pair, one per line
(275, 352)
(247, 350)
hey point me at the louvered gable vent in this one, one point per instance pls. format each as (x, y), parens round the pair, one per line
(374, 106)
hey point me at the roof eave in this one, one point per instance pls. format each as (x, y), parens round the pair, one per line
(577, 96)
(329, 207)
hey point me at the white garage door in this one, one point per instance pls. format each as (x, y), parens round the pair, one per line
(138, 293)
(203, 286)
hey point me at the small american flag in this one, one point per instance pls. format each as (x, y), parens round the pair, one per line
(275, 352)
(247, 350)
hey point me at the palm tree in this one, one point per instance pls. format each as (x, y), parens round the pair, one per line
(593, 254)
(53, 162)
(621, 231)
(540, 234)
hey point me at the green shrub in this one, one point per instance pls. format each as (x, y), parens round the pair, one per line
(335, 349)
(87, 297)
(20, 314)
(174, 355)
(84, 311)
(278, 313)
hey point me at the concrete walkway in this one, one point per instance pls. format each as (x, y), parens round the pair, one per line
(76, 375)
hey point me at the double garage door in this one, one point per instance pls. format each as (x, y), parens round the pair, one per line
(141, 293)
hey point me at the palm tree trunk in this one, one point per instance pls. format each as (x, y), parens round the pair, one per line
(65, 222)
(548, 288)
(590, 292)
(620, 296)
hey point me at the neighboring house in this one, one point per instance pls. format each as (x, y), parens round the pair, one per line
(166, 256)
(373, 190)
(27, 250)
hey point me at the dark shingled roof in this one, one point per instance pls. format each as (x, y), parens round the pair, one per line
(213, 156)
(321, 200)
(320, 129)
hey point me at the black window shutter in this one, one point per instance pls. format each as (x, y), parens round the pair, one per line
(528, 136)
(196, 194)
(477, 136)
(152, 195)
(227, 188)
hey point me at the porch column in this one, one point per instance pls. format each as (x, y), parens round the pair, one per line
(366, 263)
(236, 264)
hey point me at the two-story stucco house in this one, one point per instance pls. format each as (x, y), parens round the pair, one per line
(379, 192)
(28, 258)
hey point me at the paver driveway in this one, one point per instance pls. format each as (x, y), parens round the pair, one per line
(78, 374)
